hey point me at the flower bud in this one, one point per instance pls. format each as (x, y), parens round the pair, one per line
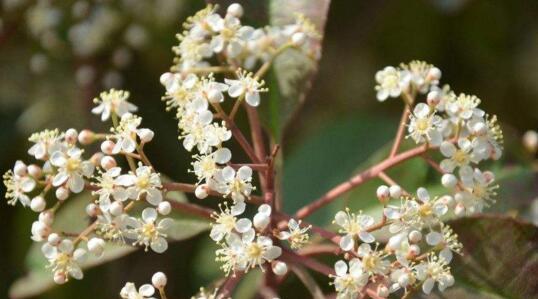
(261, 220)
(96, 158)
(86, 137)
(382, 291)
(54, 239)
(235, 9)
(20, 168)
(62, 193)
(447, 200)
(108, 162)
(459, 210)
(488, 176)
(279, 268)
(434, 74)
(96, 246)
(159, 280)
(383, 194)
(92, 210)
(530, 141)
(107, 146)
(38, 204)
(60, 277)
(201, 191)
(415, 236)
(298, 38)
(116, 208)
(433, 98)
(413, 250)
(395, 241)
(449, 180)
(395, 191)
(146, 135)
(35, 171)
(46, 217)
(164, 208)
(71, 136)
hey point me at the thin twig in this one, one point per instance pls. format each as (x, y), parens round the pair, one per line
(401, 130)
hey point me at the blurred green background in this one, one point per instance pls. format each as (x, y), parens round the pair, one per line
(487, 48)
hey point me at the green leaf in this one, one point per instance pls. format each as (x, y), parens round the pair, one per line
(500, 256)
(293, 70)
(327, 158)
(68, 219)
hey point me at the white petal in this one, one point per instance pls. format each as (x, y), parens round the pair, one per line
(253, 99)
(243, 225)
(273, 252)
(427, 286)
(433, 238)
(340, 267)
(154, 196)
(159, 246)
(149, 214)
(366, 237)
(147, 290)
(347, 243)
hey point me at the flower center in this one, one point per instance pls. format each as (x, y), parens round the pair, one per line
(460, 157)
(425, 210)
(423, 125)
(254, 251)
(72, 164)
(149, 230)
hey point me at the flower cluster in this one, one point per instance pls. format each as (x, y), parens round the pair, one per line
(465, 136)
(244, 243)
(62, 170)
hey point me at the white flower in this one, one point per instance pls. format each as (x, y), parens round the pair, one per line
(434, 270)
(108, 187)
(71, 169)
(257, 251)
(297, 236)
(113, 101)
(421, 75)
(64, 259)
(231, 36)
(348, 282)
(206, 166)
(353, 226)
(372, 261)
(226, 222)
(129, 291)
(126, 133)
(479, 192)
(17, 188)
(143, 182)
(460, 156)
(149, 232)
(425, 125)
(389, 83)
(246, 85)
(445, 241)
(236, 184)
(463, 107)
(211, 91)
(46, 143)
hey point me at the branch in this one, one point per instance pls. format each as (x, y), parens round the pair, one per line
(359, 179)
(192, 209)
(401, 130)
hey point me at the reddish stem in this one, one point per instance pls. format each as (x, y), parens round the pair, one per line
(192, 209)
(401, 131)
(359, 179)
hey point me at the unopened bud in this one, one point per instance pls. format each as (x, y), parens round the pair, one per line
(433, 98)
(92, 210)
(71, 136)
(298, 38)
(235, 9)
(146, 135)
(108, 162)
(279, 268)
(395, 191)
(201, 191)
(60, 277)
(38, 204)
(62, 193)
(383, 194)
(116, 208)
(107, 146)
(159, 280)
(164, 208)
(415, 236)
(86, 137)
(35, 171)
